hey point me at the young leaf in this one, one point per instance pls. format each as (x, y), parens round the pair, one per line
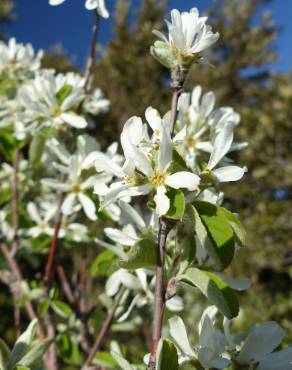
(215, 289)
(35, 353)
(22, 344)
(63, 93)
(177, 204)
(220, 233)
(61, 309)
(167, 357)
(4, 355)
(37, 146)
(237, 227)
(106, 360)
(123, 363)
(104, 264)
(142, 254)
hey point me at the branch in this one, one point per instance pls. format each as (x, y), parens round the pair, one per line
(103, 335)
(178, 75)
(54, 244)
(14, 268)
(14, 203)
(92, 53)
(159, 299)
(65, 284)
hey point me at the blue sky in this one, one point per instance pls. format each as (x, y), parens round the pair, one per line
(70, 25)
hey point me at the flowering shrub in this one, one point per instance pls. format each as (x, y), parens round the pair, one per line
(156, 210)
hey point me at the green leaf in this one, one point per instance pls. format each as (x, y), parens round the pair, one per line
(122, 362)
(4, 355)
(22, 344)
(178, 163)
(236, 225)
(8, 87)
(37, 146)
(219, 240)
(105, 359)
(43, 307)
(36, 353)
(167, 357)
(177, 204)
(61, 309)
(7, 144)
(143, 254)
(63, 93)
(104, 264)
(215, 289)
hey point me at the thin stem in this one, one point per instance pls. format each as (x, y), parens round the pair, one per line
(159, 300)
(103, 335)
(14, 203)
(178, 75)
(54, 244)
(14, 268)
(82, 307)
(65, 284)
(92, 53)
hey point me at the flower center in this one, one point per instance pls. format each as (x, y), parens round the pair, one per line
(57, 111)
(76, 188)
(191, 142)
(157, 179)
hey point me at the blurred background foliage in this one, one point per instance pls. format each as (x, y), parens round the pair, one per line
(242, 78)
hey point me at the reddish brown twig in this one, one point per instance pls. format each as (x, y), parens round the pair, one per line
(15, 202)
(159, 300)
(14, 268)
(65, 284)
(54, 244)
(103, 335)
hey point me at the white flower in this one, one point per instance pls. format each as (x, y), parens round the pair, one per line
(18, 58)
(99, 5)
(259, 347)
(75, 188)
(42, 216)
(212, 342)
(50, 102)
(188, 32)
(95, 103)
(145, 171)
(221, 144)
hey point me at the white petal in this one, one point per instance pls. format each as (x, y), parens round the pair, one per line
(51, 183)
(229, 173)
(183, 179)
(56, 2)
(162, 201)
(88, 206)
(120, 237)
(153, 118)
(221, 145)
(178, 333)
(281, 360)
(133, 215)
(165, 149)
(113, 284)
(68, 204)
(33, 212)
(175, 304)
(262, 340)
(74, 120)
